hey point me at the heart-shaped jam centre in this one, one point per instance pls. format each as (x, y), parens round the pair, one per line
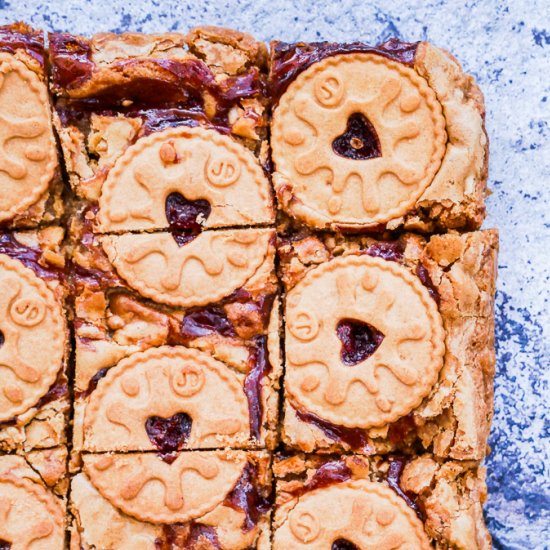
(343, 544)
(359, 340)
(169, 434)
(359, 141)
(185, 217)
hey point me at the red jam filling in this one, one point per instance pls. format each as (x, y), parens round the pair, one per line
(258, 367)
(391, 251)
(247, 497)
(289, 60)
(92, 384)
(393, 478)
(426, 280)
(169, 434)
(5, 545)
(57, 390)
(187, 535)
(328, 474)
(21, 36)
(343, 544)
(29, 257)
(205, 321)
(359, 340)
(2, 339)
(359, 141)
(356, 438)
(185, 217)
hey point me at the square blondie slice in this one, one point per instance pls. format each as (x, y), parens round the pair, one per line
(389, 344)
(30, 178)
(198, 499)
(177, 340)
(353, 502)
(178, 123)
(34, 340)
(377, 137)
(33, 488)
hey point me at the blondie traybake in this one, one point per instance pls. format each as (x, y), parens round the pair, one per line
(253, 305)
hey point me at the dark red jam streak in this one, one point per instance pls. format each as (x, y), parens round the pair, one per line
(184, 216)
(21, 36)
(247, 497)
(356, 438)
(394, 476)
(192, 535)
(289, 60)
(343, 544)
(181, 82)
(359, 141)
(29, 257)
(359, 340)
(391, 251)
(258, 367)
(5, 545)
(204, 321)
(169, 434)
(92, 384)
(426, 280)
(328, 474)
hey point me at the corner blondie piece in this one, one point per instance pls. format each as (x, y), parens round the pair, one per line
(389, 344)
(352, 502)
(162, 294)
(32, 500)
(176, 122)
(34, 340)
(209, 499)
(376, 138)
(30, 177)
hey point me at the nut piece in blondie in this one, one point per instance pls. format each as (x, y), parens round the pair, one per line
(30, 178)
(34, 340)
(389, 344)
(381, 137)
(209, 499)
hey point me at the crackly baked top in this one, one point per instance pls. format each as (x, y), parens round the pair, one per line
(369, 515)
(198, 164)
(30, 517)
(32, 333)
(147, 488)
(27, 146)
(205, 270)
(364, 341)
(356, 139)
(166, 398)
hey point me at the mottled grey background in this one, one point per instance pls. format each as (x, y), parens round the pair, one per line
(506, 45)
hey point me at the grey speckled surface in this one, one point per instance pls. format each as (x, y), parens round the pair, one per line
(507, 46)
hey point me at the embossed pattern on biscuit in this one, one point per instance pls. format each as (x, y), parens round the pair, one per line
(198, 164)
(145, 487)
(163, 382)
(28, 154)
(356, 138)
(207, 269)
(399, 371)
(370, 516)
(32, 332)
(30, 517)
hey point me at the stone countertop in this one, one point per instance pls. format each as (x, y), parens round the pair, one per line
(506, 45)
